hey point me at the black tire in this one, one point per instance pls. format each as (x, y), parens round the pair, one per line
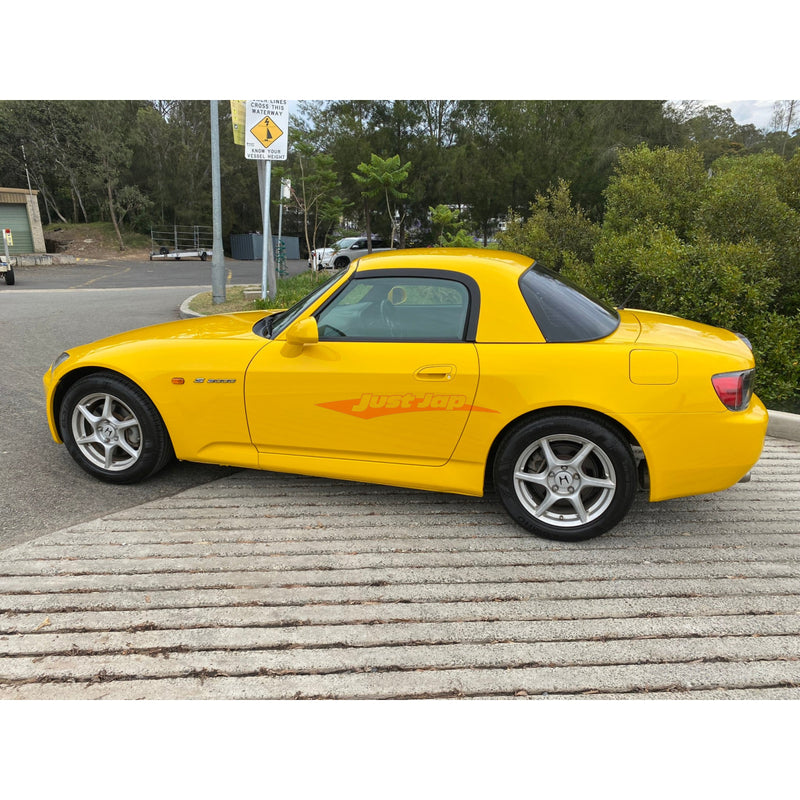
(341, 262)
(10, 279)
(112, 429)
(580, 476)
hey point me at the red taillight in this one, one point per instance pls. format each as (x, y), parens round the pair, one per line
(734, 389)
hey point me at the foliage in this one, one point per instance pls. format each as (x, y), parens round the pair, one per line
(675, 203)
(382, 178)
(290, 291)
(449, 227)
(313, 190)
(718, 247)
(654, 186)
(556, 231)
(743, 201)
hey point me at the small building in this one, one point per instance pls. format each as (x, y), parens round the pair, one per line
(19, 212)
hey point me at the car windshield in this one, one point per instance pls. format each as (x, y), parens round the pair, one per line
(272, 325)
(562, 310)
(344, 243)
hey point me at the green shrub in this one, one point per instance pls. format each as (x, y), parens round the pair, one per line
(556, 232)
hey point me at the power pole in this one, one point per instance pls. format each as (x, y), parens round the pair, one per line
(217, 254)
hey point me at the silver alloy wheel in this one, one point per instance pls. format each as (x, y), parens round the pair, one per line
(565, 480)
(107, 432)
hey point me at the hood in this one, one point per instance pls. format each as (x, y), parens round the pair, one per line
(174, 342)
(210, 328)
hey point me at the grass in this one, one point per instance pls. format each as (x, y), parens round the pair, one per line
(289, 291)
(102, 233)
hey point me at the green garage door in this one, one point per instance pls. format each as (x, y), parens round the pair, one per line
(15, 217)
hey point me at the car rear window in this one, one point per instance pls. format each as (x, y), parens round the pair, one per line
(562, 310)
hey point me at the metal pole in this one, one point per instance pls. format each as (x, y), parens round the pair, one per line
(272, 274)
(217, 254)
(262, 185)
(280, 214)
(268, 287)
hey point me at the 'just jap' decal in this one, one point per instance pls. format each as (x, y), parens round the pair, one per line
(371, 405)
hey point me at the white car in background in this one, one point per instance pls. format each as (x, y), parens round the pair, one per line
(346, 250)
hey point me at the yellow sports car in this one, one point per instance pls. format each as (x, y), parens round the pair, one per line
(432, 369)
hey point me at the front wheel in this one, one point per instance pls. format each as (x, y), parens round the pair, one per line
(341, 262)
(566, 477)
(10, 279)
(112, 429)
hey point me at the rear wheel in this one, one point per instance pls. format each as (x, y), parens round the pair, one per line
(9, 276)
(567, 477)
(112, 429)
(341, 262)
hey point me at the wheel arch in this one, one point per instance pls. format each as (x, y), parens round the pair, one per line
(579, 411)
(72, 377)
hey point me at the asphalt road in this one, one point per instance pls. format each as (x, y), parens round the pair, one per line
(48, 310)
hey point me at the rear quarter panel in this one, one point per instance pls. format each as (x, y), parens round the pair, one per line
(691, 442)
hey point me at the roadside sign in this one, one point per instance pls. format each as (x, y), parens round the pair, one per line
(267, 130)
(238, 118)
(7, 236)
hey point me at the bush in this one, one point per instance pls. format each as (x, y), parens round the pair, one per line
(555, 233)
(654, 187)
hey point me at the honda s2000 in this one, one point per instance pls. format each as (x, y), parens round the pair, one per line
(431, 369)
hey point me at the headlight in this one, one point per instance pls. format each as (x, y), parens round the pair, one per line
(59, 361)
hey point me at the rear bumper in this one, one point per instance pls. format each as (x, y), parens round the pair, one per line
(690, 454)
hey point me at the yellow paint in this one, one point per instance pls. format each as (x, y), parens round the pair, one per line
(425, 415)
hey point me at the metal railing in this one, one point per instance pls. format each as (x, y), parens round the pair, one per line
(182, 241)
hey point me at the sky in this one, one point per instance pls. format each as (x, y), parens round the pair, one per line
(748, 112)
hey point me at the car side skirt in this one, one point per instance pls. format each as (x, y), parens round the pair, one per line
(455, 477)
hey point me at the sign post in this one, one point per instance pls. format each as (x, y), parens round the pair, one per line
(266, 140)
(7, 240)
(217, 255)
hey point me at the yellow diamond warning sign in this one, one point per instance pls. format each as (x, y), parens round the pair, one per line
(266, 130)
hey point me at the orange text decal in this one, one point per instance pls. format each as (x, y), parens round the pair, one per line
(370, 405)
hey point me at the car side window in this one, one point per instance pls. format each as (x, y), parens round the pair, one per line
(410, 309)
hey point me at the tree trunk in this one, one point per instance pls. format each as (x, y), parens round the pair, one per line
(114, 216)
(48, 198)
(368, 226)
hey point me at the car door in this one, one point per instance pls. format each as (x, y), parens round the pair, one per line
(391, 379)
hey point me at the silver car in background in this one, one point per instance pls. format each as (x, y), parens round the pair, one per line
(346, 250)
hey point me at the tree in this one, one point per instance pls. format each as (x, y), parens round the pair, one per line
(657, 186)
(785, 114)
(108, 132)
(382, 178)
(720, 248)
(450, 227)
(313, 189)
(555, 233)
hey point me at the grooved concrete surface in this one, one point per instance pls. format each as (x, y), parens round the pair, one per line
(274, 586)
